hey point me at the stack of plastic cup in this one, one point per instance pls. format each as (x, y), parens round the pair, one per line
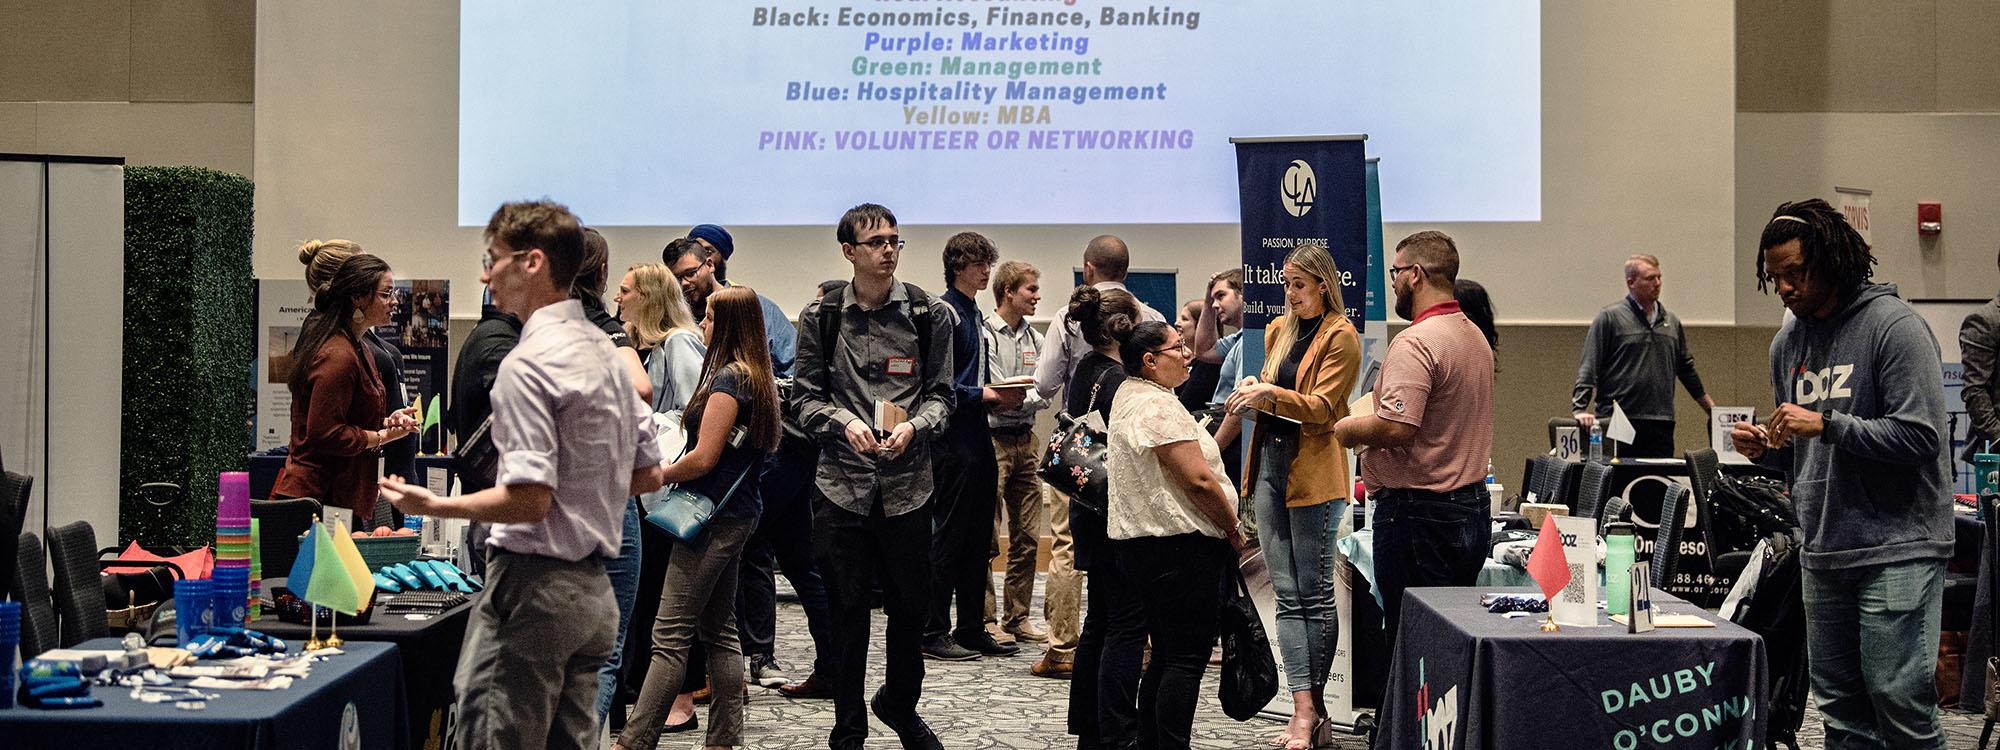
(10, 638)
(194, 609)
(256, 570)
(232, 552)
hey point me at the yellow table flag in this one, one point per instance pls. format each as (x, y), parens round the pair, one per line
(350, 561)
(331, 585)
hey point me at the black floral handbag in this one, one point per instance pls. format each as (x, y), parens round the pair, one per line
(1073, 463)
(1249, 672)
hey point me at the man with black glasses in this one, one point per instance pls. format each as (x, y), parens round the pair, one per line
(874, 386)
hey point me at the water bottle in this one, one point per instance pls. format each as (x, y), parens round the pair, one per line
(1496, 495)
(1596, 442)
(1621, 550)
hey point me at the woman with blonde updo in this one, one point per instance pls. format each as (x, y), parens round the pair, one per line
(341, 416)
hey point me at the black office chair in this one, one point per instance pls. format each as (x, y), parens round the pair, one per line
(14, 491)
(29, 585)
(1705, 474)
(1590, 490)
(279, 525)
(1547, 481)
(79, 592)
(1704, 471)
(1667, 541)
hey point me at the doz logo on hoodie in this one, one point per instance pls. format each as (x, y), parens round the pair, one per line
(1827, 383)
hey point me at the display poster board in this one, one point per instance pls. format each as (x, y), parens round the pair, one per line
(421, 328)
(1853, 204)
(1155, 287)
(282, 305)
(1720, 422)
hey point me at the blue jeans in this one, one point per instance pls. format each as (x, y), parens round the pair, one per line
(1871, 640)
(624, 574)
(1298, 551)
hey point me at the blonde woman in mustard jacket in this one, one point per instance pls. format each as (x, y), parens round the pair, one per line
(1297, 478)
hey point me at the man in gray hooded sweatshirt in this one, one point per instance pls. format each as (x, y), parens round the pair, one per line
(1860, 430)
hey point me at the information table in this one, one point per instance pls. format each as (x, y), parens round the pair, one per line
(1465, 678)
(429, 650)
(351, 700)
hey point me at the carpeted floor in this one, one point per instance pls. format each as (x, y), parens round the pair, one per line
(996, 703)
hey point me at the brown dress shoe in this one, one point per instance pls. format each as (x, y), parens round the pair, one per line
(813, 688)
(1050, 668)
(1028, 633)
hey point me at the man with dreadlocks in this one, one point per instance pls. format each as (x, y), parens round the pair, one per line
(1860, 430)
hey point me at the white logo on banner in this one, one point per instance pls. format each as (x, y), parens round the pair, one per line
(1299, 189)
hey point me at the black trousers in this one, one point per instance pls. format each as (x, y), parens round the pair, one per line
(783, 537)
(853, 552)
(967, 480)
(1179, 582)
(1425, 538)
(1652, 438)
(1104, 678)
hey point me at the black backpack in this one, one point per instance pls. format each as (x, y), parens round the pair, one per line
(1747, 509)
(830, 308)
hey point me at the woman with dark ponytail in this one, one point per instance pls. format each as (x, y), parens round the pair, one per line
(340, 409)
(1171, 521)
(1104, 686)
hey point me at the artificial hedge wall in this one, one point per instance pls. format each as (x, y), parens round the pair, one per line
(190, 322)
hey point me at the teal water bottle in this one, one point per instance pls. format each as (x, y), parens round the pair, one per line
(1597, 442)
(1621, 549)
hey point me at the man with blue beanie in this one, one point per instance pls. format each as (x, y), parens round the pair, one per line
(1860, 431)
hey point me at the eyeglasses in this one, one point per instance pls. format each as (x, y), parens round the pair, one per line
(387, 294)
(881, 243)
(486, 260)
(1181, 347)
(1393, 270)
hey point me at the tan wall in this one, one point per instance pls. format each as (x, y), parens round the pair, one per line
(1867, 56)
(154, 82)
(1538, 366)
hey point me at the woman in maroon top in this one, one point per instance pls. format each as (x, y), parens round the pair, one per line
(340, 416)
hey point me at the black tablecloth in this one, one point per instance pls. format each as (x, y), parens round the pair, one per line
(1485, 681)
(429, 651)
(351, 700)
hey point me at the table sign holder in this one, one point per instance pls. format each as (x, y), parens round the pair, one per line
(1640, 620)
(1576, 603)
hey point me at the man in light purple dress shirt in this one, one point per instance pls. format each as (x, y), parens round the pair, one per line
(575, 441)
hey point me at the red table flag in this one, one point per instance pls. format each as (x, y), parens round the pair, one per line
(1548, 564)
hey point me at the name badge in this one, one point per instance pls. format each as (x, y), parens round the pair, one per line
(1030, 357)
(902, 365)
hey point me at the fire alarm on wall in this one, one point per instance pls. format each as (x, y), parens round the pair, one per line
(1930, 218)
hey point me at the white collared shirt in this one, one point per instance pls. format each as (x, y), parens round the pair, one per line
(565, 416)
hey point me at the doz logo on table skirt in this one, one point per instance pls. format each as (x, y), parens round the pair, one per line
(1437, 721)
(350, 728)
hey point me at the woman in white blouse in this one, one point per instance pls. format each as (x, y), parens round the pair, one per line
(1172, 522)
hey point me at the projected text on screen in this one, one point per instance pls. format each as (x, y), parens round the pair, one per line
(986, 111)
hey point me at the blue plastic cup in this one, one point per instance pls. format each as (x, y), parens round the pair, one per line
(194, 602)
(231, 592)
(10, 640)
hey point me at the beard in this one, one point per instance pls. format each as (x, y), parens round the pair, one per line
(1403, 303)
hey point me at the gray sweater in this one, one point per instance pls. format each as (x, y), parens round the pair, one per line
(1633, 361)
(1874, 488)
